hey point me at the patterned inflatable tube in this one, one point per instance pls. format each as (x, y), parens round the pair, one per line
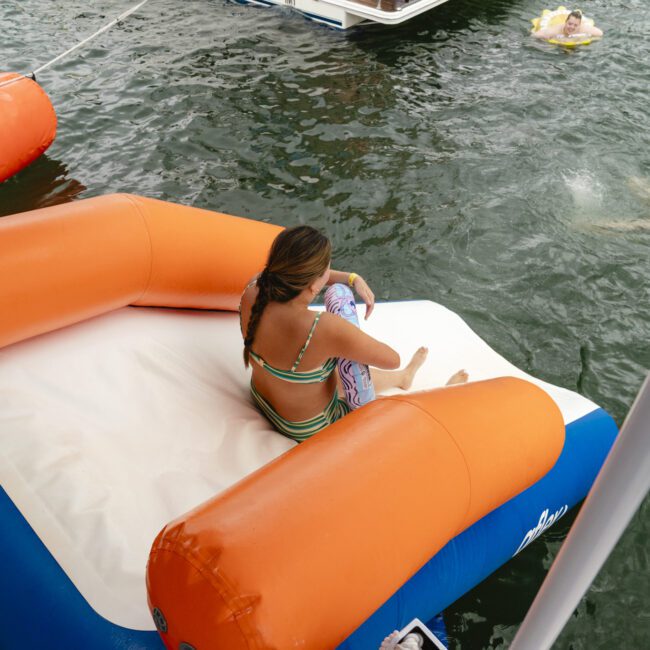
(355, 377)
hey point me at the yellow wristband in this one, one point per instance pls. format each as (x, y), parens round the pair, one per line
(351, 278)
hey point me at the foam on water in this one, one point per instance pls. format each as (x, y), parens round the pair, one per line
(586, 191)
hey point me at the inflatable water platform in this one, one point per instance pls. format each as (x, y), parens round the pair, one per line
(146, 503)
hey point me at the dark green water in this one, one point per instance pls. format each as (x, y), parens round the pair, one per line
(451, 159)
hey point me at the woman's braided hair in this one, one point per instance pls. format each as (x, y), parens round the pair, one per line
(298, 257)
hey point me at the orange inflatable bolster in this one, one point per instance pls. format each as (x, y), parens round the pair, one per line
(300, 553)
(27, 123)
(65, 263)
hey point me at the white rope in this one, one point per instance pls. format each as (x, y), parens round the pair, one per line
(97, 33)
(77, 46)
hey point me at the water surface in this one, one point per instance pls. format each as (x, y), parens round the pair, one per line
(451, 159)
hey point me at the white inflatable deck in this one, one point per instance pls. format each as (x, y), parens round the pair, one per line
(113, 427)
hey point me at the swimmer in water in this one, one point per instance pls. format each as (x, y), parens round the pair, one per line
(640, 186)
(571, 28)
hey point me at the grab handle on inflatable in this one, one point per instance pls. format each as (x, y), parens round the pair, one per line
(355, 376)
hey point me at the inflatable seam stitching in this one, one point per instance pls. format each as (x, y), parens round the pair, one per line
(460, 451)
(216, 579)
(132, 200)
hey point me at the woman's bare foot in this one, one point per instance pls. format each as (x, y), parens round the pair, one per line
(390, 641)
(412, 641)
(413, 366)
(459, 377)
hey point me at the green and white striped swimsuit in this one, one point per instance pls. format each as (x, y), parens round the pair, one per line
(302, 429)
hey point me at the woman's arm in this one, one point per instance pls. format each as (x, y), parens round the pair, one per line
(246, 303)
(339, 277)
(549, 32)
(544, 33)
(358, 283)
(347, 341)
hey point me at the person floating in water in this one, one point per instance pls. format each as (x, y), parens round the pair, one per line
(640, 186)
(572, 27)
(293, 350)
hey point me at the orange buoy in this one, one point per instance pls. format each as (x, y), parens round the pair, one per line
(27, 122)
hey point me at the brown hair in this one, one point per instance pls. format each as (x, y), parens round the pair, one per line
(576, 13)
(298, 256)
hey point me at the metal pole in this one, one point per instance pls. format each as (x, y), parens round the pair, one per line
(618, 491)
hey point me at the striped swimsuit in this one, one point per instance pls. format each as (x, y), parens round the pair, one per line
(303, 429)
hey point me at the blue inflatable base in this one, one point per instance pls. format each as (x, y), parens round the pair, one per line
(43, 608)
(474, 554)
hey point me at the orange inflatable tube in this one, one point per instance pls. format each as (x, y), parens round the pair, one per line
(27, 123)
(300, 553)
(82, 259)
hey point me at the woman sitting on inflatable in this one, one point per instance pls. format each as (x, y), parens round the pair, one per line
(294, 350)
(573, 29)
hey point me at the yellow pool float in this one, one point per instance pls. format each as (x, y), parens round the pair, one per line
(558, 17)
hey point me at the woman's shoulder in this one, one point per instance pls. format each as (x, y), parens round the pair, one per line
(327, 320)
(250, 293)
(331, 324)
